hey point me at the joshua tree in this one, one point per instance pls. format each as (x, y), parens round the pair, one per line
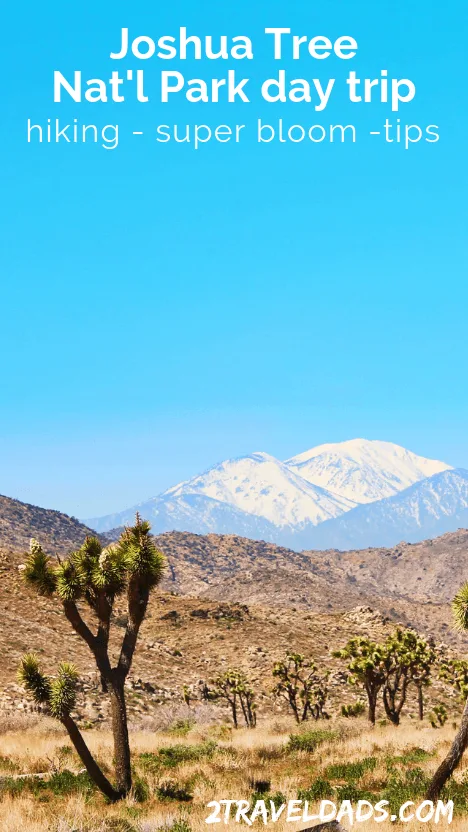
(438, 716)
(94, 577)
(408, 660)
(422, 659)
(455, 672)
(453, 758)
(300, 685)
(355, 709)
(366, 665)
(234, 687)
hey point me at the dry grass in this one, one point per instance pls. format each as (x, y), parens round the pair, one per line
(241, 759)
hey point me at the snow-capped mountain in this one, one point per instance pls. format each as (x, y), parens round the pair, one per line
(363, 470)
(426, 509)
(257, 485)
(343, 495)
(192, 512)
(262, 485)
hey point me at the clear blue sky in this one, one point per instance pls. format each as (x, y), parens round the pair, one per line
(164, 309)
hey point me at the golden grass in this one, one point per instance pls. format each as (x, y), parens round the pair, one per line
(243, 757)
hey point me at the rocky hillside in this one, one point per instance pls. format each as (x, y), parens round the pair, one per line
(184, 641)
(413, 583)
(21, 521)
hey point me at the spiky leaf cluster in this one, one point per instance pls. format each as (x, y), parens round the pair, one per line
(231, 680)
(460, 608)
(38, 571)
(366, 660)
(59, 692)
(408, 650)
(455, 672)
(92, 571)
(142, 559)
(234, 686)
(30, 676)
(63, 691)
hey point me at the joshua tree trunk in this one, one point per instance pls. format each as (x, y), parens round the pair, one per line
(88, 760)
(420, 702)
(372, 700)
(123, 770)
(452, 760)
(233, 704)
(393, 689)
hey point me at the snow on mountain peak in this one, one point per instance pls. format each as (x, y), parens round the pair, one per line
(363, 470)
(262, 485)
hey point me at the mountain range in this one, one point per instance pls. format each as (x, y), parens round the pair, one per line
(347, 495)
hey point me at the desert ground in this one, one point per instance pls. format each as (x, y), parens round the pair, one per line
(180, 770)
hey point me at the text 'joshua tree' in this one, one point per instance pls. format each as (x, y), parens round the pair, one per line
(93, 578)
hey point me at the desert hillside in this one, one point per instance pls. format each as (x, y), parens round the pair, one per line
(411, 583)
(20, 521)
(188, 640)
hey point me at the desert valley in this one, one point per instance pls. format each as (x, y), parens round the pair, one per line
(238, 593)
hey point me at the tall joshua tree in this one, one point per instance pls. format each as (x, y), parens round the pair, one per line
(408, 661)
(366, 665)
(460, 743)
(93, 578)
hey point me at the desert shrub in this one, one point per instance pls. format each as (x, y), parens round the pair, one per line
(351, 771)
(438, 716)
(405, 785)
(173, 755)
(60, 784)
(276, 799)
(140, 789)
(357, 709)
(413, 755)
(179, 825)
(172, 790)
(182, 727)
(8, 765)
(318, 790)
(349, 791)
(309, 740)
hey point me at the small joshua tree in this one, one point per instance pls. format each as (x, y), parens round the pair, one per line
(353, 710)
(366, 666)
(422, 657)
(94, 577)
(301, 686)
(438, 716)
(234, 687)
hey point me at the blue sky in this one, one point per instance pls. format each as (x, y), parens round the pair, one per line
(163, 309)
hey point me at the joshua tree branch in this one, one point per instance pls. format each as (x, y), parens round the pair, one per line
(97, 776)
(79, 625)
(137, 599)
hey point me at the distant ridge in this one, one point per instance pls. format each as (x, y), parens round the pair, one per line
(57, 532)
(427, 509)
